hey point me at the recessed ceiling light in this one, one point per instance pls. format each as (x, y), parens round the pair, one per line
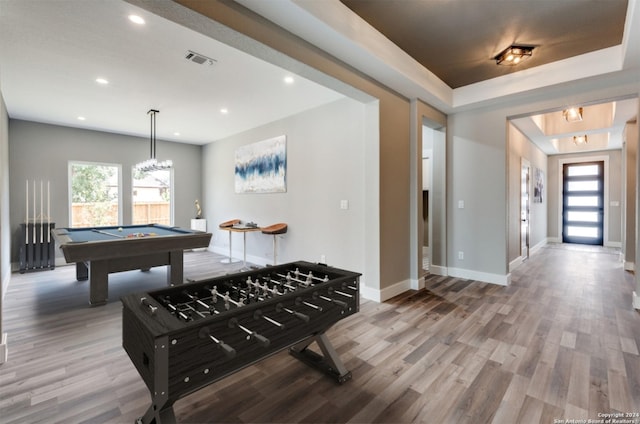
(224, 111)
(136, 19)
(288, 79)
(102, 81)
(81, 118)
(176, 133)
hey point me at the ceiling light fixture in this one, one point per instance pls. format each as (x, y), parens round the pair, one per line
(514, 55)
(224, 111)
(152, 164)
(573, 114)
(102, 81)
(288, 80)
(580, 139)
(136, 19)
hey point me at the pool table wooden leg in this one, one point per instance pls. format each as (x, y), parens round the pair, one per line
(175, 270)
(82, 272)
(98, 282)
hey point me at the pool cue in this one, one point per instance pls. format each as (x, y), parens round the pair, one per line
(48, 211)
(26, 217)
(107, 233)
(41, 210)
(38, 233)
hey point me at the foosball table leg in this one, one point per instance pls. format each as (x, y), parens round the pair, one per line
(161, 409)
(329, 362)
(152, 416)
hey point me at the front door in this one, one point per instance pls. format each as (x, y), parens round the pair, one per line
(583, 203)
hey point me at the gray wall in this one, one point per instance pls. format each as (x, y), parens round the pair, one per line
(325, 164)
(613, 183)
(42, 152)
(477, 172)
(630, 159)
(519, 147)
(5, 236)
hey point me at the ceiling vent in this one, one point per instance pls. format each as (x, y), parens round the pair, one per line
(200, 59)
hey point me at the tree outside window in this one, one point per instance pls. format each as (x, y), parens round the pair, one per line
(94, 194)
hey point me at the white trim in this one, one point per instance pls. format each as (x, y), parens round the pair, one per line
(515, 263)
(538, 246)
(605, 204)
(4, 350)
(438, 270)
(418, 284)
(501, 280)
(629, 266)
(386, 293)
(636, 301)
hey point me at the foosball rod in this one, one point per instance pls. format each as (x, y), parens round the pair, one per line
(228, 350)
(251, 335)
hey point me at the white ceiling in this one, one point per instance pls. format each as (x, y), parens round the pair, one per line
(51, 52)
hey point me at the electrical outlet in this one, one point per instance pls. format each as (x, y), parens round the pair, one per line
(323, 259)
(461, 255)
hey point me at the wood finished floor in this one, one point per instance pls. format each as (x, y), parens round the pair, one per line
(561, 342)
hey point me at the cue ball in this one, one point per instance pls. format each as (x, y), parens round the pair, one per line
(120, 229)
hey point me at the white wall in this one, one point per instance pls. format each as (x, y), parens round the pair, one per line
(325, 164)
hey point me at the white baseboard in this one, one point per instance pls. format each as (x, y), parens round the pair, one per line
(385, 294)
(636, 301)
(629, 266)
(4, 350)
(515, 263)
(616, 244)
(485, 277)
(438, 270)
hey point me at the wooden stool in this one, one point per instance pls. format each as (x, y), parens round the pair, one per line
(274, 230)
(225, 226)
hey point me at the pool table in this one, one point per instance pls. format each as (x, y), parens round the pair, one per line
(99, 251)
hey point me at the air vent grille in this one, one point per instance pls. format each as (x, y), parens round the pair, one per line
(200, 59)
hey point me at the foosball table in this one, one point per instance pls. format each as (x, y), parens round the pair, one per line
(183, 338)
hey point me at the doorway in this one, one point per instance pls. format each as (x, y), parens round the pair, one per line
(583, 203)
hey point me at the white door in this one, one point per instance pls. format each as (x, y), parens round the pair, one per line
(524, 210)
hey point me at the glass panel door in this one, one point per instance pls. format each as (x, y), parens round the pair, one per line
(583, 203)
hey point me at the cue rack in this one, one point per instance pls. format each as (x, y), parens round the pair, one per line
(37, 249)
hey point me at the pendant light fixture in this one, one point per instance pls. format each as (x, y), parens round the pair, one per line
(152, 164)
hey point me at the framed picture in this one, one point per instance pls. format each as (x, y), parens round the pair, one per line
(538, 185)
(261, 167)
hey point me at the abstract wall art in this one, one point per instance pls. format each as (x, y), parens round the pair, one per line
(261, 167)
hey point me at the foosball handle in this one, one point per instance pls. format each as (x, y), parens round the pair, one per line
(301, 316)
(262, 340)
(340, 303)
(228, 350)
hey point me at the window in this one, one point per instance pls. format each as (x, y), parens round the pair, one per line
(152, 197)
(94, 194)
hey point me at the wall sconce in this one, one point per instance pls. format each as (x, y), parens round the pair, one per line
(573, 114)
(514, 55)
(580, 139)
